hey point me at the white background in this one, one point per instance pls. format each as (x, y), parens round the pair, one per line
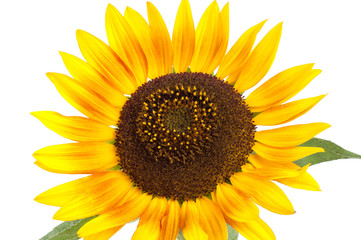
(325, 32)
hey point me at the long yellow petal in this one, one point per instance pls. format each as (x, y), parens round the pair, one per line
(259, 162)
(284, 154)
(105, 235)
(255, 230)
(127, 212)
(304, 181)
(77, 158)
(210, 39)
(260, 60)
(142, 31)
(103, 198)
(281, 87)
(92, 79)
(234, 204)
(124, 42)
(106, 61)
(183, 39)
(286, 112)
(263, 192)
(150, 222)
(190, 223)
(290, 136)
(62, 194)
(84, 99)
(170, 224)
(238, 54)
(272, 172)
(75, 128)
(211, 219)
(161, 41)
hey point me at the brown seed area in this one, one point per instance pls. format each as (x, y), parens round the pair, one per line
(180, 135)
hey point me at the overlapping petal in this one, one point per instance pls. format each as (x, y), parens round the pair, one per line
(149, 226)
(106, 61)
(281, 87)
(234, 204)
(124, 42)
(75, 128)
(255, 229)
(211, 219)
(211, 39)
(170, 223)
(62, 194)
(90, 78)
(289, 154)
(101, 199)
(190, 222)
(260, 60)
(263, 192)
(85, 100)
(236, 57)
(286, 112)
(117, 216)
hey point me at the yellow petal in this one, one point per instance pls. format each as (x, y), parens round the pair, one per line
(75, 128)
(150, 222)
(255, 230)
(211, 219)
(271, 172)
(290, 136)
(281, 87)
(124, 42)
(84, 99)
(62, 194)
(284, 154)
(238, 54)
(170, 224)
(258, 162)
(92, 79)
(103, 198)
(77, 158)
(142, 30)
(106, 61)
(304, 181)
(234, 204)
(126, 213)
(105, 235)
(210, 41)
(263, 192)
(190, 223)
(161, 41)
(183, 39)
(260, 60)
(286, 112)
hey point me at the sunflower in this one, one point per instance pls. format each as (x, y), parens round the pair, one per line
(168, 140)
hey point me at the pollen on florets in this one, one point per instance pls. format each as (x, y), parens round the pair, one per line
(180, 135)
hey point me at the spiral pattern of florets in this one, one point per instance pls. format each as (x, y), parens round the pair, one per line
(180, 135)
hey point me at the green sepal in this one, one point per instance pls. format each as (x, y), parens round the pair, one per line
(232, 234)
(66, 230)
(332, 152)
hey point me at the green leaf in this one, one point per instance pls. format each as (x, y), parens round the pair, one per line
(66, 230)
(332, 152)
(180, 235)
(232, 234)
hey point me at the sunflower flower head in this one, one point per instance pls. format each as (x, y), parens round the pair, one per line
(168, 136)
